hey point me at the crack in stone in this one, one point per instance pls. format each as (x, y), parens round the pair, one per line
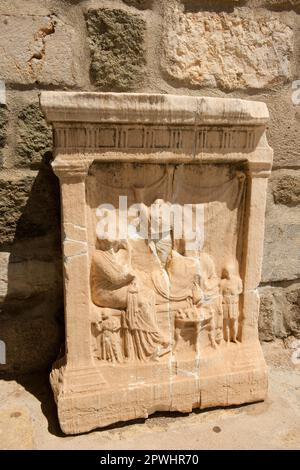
(40, 43)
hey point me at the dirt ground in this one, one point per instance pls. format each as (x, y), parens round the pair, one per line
(28, 418)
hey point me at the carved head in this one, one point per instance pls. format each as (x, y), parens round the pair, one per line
(228, 271)
(160, 216)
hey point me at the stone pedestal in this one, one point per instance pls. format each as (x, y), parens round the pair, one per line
(158, 316)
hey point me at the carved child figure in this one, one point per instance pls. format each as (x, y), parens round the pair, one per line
(110, 348)
(231, 288)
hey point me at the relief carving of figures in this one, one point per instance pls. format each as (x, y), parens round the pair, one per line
(185, 281)
(212, 306)
(231, 288)
(116, 286)
(189, 278)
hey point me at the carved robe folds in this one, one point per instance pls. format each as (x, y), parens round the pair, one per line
(159, 317)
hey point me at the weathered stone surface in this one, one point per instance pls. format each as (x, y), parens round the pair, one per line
(284, 129)
(37, 49)
(3, 123)
(221, 49)
(286, 187)
(13, 198)
(116, 40)
(281, 4)
(34, 140)
(34, 7)
(29, 205)
(143, 4)
(32, 332)
(279, 312)
(22, 278)
(282, 235)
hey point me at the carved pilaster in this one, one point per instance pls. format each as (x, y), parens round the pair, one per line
(72, 174)
(257, 176)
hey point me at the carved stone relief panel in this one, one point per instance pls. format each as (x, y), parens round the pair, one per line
(158, 290)
(163, 202)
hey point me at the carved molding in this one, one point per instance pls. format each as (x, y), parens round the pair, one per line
(156, 138)
(74, 169)
(133, 108)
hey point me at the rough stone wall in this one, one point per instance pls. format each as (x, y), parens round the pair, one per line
(227, 48)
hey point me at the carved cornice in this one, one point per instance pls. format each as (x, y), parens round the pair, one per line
(159, 128)
(133, 108)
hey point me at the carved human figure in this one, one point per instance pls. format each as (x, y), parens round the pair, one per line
(212, 308)
(111, 273)
(116, 285)
(142, 338)
(109, 340)
(160, 231)
(231, 288)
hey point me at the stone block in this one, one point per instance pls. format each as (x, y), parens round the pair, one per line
(116, 40)
(34, 137)
(38, 49)
(29, 206)
(284, 129)
(279, 312)
(23, 278)
(243, 49)
(32, 332)
(286, 187)
(282, 233)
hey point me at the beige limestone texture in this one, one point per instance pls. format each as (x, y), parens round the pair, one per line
(158, 320)
(246, 48)
(34, 46)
